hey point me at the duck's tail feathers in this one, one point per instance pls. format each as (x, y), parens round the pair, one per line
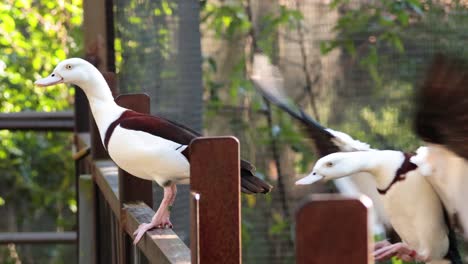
(250, 183)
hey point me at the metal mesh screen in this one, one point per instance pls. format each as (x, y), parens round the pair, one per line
(158, 52)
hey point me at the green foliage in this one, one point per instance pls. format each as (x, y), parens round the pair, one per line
(366, 28)
(37, 180)
(226, 20)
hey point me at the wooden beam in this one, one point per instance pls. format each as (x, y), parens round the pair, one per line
(98, 33)
(333, 229)
(87, 244)
(38, 237)
(38, 121)
(215, 175)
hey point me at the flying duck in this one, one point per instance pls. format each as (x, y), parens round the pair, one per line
(421, 193)
(149, 147)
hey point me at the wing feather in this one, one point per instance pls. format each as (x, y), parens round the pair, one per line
(269, 82)
(441, 115)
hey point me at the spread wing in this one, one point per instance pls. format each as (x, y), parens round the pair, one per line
(269, 82)
(441, 115)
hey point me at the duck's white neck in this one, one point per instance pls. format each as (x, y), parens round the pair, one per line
(102, 104)
(382, 164)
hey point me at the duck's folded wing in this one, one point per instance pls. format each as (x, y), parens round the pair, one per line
(178, 133)
(269, 82)
(157, 126)
(441, 115)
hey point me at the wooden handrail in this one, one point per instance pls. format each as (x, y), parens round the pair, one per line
(38, 121)
(159, 245)
(37, 237)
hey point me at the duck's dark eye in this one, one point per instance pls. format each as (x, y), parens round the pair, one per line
(329, 164)
(53, 74)
(68, 66)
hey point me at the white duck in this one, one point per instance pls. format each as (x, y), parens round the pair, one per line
(411, 200)
(148, 147)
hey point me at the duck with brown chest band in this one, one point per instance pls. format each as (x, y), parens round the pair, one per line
(149, 147)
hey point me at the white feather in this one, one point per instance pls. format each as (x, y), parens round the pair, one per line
(450, 180)
(346, 143)
(148, 156)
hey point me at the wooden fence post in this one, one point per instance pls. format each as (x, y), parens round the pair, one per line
(333, 229)
(131, 188)
(194, 223)
(98, 152)
(87, 244)
(215, 176)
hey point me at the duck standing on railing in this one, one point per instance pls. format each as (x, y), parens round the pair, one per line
(149, 147)
(421, 193)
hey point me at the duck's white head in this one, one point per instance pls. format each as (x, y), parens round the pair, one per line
(81, 73)
(73, 71)
(333, 166)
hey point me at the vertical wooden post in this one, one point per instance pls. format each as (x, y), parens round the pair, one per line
(98, 38)
(98, 152)
(195, 226)
(87, 244)
(131, 188)
(215, 175)
(333, 229)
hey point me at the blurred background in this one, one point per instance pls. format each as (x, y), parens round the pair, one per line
(352, 65)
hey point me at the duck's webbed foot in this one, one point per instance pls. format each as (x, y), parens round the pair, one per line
(161, 218)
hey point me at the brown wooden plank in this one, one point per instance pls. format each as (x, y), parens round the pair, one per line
(333, 229)
(38, 237)
(98, 37)
(195, 226)
(132, 188)
(159, 245)
(215, 175)
(38, 121)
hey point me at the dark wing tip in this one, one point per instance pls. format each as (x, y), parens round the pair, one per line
(441, 104)
(251, 184)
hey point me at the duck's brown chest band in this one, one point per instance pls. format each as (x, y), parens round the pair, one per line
(114, 124)
(400, 174)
